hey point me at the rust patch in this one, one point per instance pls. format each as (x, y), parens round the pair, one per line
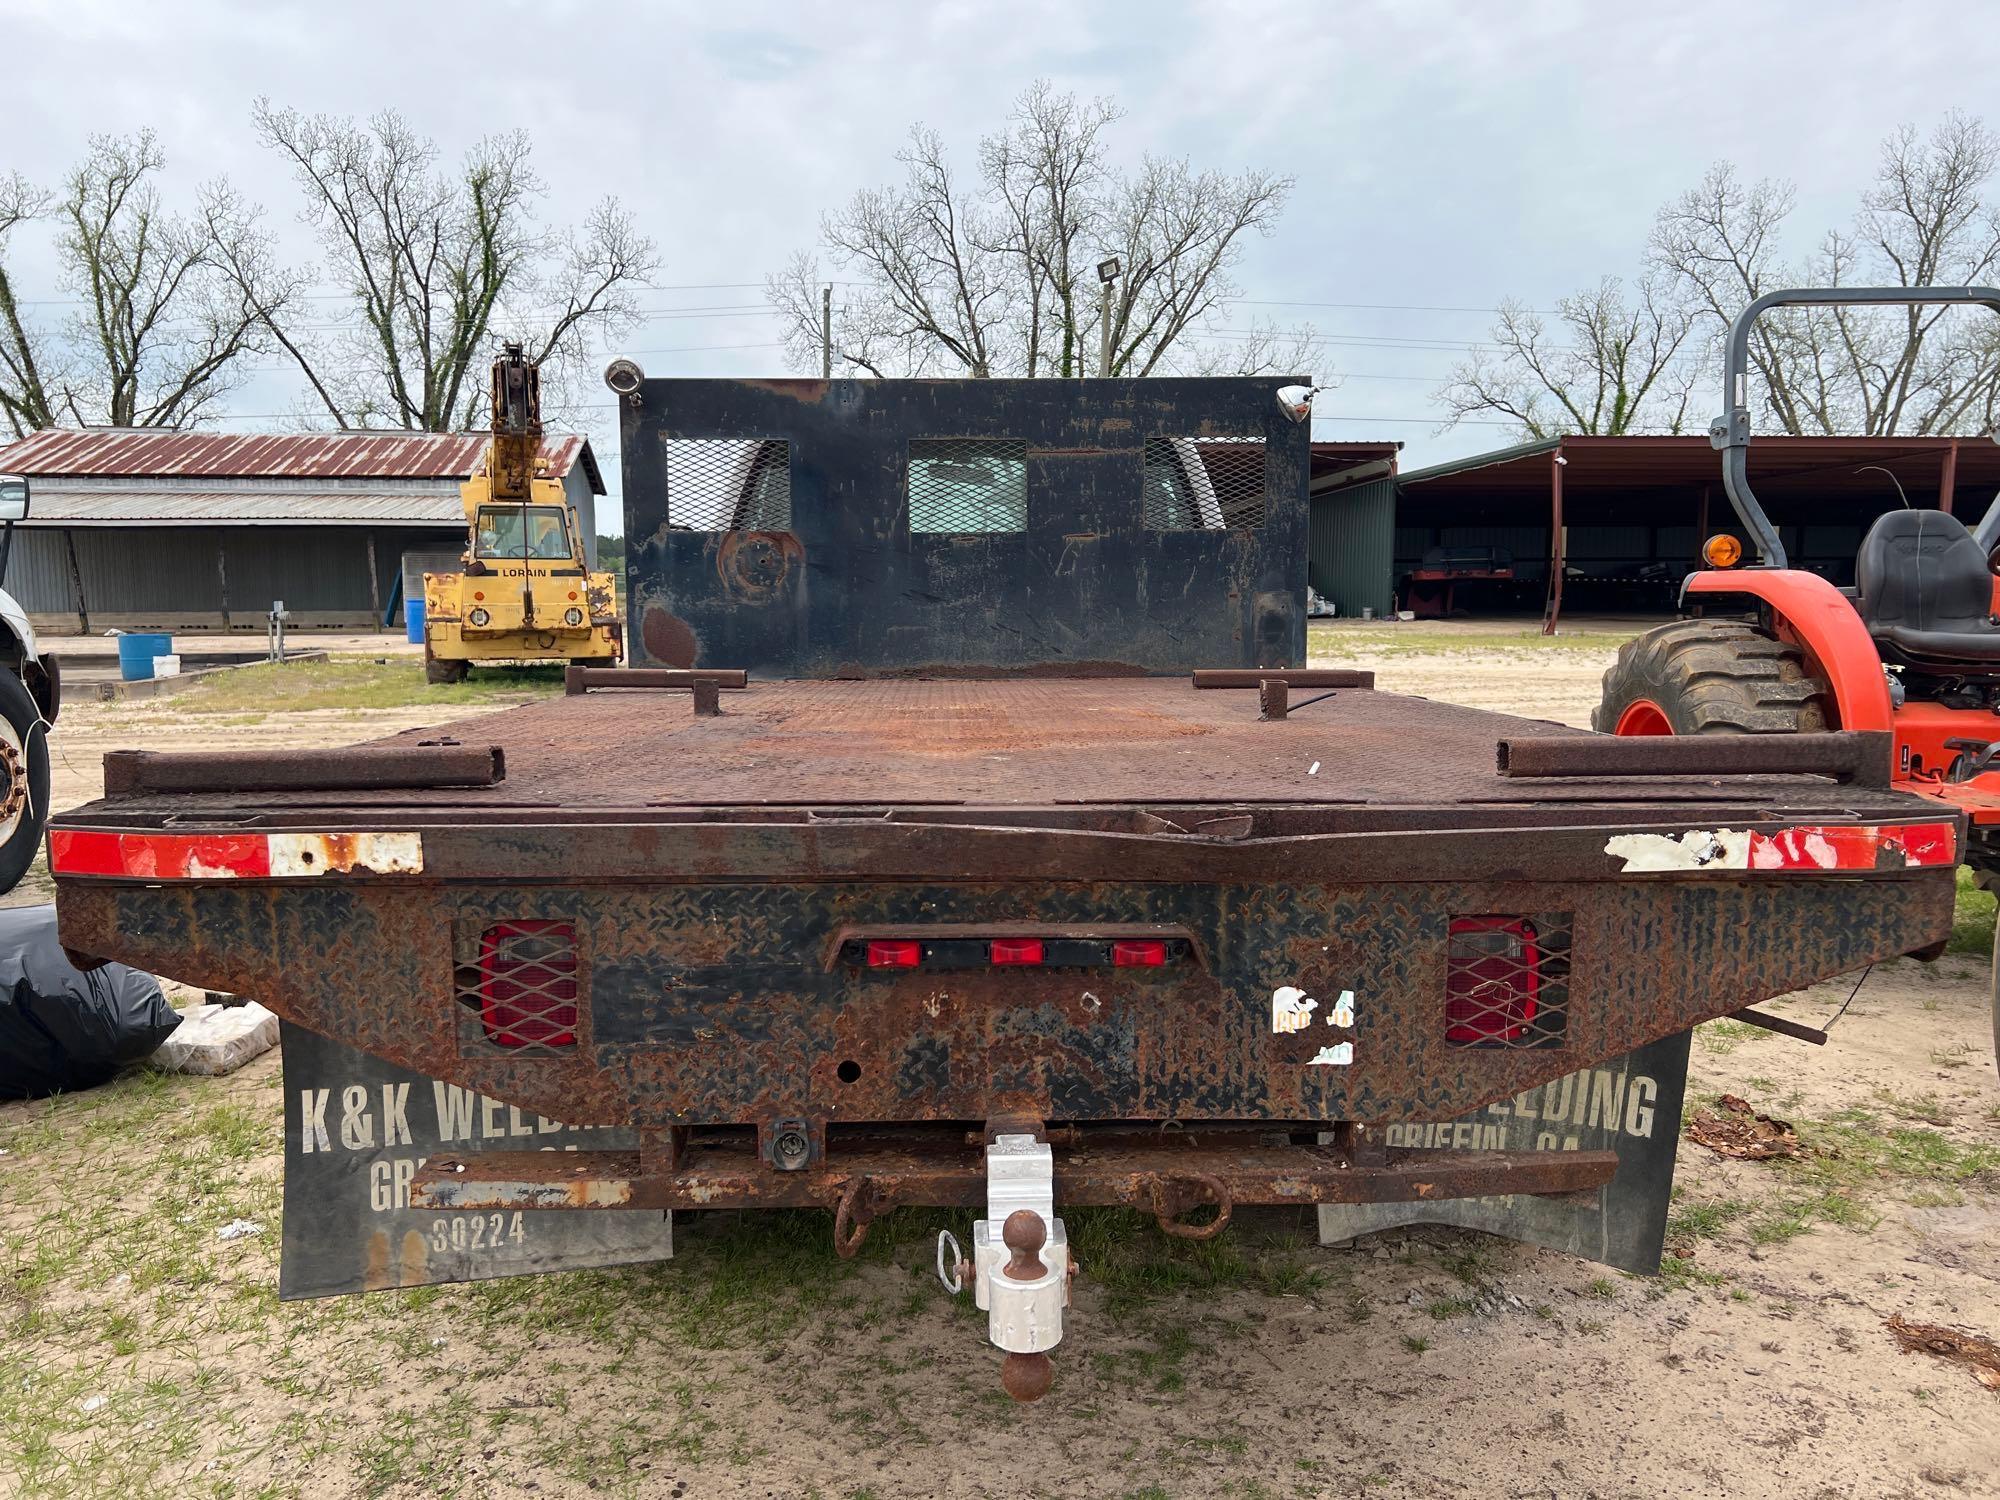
(753, 565)
(668, 638)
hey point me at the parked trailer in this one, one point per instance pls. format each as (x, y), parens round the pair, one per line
(1002, 940)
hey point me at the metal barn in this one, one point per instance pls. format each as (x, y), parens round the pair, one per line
(187, 531)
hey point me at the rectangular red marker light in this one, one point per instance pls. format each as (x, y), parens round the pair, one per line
(1017, 951)
(1139, 953)
(900, 953)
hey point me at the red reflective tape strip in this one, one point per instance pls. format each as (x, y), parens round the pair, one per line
(232, 856)
(80, 852)
(1890, 846)
(160, 856)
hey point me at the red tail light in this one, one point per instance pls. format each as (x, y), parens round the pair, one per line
(1139, 953)
(895, 954)
(527, 984)
(1493, 981)
(1017, 951)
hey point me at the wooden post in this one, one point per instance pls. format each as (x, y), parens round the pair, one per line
(1948, 480)
(1553, 611)
(76, 582)
(374, 588)
(222, 570)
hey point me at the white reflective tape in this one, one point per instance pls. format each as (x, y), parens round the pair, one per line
(296, 854)
(1695, 850)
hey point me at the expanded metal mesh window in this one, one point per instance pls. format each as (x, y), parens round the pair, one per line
(1203, 484)
(968, 486)
(729, 484)
(520, 979)
(1506, 981)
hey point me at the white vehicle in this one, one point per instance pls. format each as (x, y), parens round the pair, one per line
(30, 696)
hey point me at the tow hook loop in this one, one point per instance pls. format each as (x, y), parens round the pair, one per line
(1168, 1206)
(852, 1217)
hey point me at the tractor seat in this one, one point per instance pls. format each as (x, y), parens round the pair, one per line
(1924, 590)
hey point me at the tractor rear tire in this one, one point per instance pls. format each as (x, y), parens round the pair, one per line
(439, 671)
(1711, 677)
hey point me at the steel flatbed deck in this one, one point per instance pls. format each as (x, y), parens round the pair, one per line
(1006, 748)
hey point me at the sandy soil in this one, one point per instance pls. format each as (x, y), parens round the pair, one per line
(1421, 1363)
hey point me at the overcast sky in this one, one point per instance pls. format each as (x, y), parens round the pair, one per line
(1447, 155)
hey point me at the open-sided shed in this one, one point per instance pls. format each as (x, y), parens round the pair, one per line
(1612, 524)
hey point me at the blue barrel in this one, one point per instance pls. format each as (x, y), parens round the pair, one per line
(136, 653)
(413, 621)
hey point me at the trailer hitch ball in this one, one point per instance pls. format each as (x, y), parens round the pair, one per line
(1026, 1316)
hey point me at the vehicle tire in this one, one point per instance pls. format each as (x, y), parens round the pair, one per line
(440, 671)
(24, 786)
(1711, 677)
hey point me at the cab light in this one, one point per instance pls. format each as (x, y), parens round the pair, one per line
(1722, 551)
(1016, 951)
(895, 954)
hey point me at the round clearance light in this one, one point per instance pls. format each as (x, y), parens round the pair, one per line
(572, 617)
(480, 617)
(1722, 551)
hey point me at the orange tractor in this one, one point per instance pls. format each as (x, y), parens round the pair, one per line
(1913, 648)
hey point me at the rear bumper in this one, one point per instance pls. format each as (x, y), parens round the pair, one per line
(716, 983)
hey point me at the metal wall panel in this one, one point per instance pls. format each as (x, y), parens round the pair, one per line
(1354, 545)
(172, 573)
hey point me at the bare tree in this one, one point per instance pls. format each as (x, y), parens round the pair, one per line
(1875, 371)
(26, 376)
(163, 319)
(437, 265)
(1047, 174)
(1608, 367)
(997, 277)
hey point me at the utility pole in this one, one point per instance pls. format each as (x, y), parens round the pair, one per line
(1107, 275)
(826, 333)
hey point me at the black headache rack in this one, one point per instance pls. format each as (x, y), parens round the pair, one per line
(805, 528)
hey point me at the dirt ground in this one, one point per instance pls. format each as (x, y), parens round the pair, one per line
(140, 1353)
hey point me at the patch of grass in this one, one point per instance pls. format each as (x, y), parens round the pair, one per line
(1927, 1108)
(1416, 1345)
(1851, 1150)
(1972, 918)
(1679, 1273)
(1720, 1038)
(1599, 1289)
(1136, 1264)
(359, 683)
(1704, 1220)
(1339, 640)
(1790, 1219)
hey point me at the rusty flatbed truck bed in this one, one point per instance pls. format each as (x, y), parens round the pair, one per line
(839, 943)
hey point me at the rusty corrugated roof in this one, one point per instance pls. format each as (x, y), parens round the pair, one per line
(382, 506)
(130, 453)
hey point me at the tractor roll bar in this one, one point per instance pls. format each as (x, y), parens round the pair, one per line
(1730, 432)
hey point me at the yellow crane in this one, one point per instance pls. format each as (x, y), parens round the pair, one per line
(525, 592)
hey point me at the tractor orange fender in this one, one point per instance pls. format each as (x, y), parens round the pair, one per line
(1821, 621)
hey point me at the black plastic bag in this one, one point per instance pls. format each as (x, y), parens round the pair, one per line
(62, 1029)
